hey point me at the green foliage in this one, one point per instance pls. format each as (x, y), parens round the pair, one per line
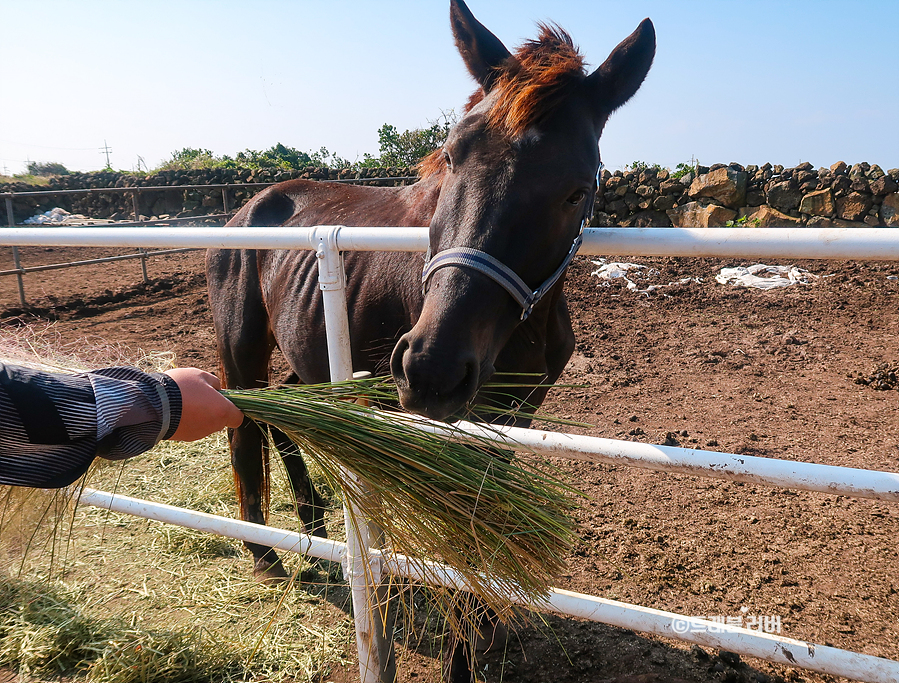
(190, 158)
(396, 149)
(681, 170)
(410, 146)
(46, 168)
(279, 156)
(325, 158)
(743, 222)
(637, 166)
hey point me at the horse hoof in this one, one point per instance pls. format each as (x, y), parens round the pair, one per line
(270, 572)
(492, 637)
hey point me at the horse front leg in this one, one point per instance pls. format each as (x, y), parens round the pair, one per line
(310, 504)
(249, 460)
(244, 344)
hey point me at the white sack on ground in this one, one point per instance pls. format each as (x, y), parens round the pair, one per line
(761, 276)
(55, 216)
(608, 272)
(613, 271)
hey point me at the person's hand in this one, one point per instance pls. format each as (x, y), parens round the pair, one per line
(203, 409)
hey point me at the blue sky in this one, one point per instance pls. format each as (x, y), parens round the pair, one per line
(746, 81)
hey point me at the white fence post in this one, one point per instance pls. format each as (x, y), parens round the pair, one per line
(363, 571)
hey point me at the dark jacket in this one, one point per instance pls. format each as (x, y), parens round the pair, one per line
(53, 425)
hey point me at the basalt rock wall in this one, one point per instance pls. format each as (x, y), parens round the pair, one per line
(860, 195)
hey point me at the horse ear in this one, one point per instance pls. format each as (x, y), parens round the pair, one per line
(620, 76)
(482, 52)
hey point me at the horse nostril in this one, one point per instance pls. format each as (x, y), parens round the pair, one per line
(397, 364)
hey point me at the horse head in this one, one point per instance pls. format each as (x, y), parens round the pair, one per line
(517, 180)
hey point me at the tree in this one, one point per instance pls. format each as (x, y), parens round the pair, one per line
(325, 158)
(45, 168)
(190, 158)
(410, 146)
(279, 156)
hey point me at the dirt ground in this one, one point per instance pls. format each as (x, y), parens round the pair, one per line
(699, 364)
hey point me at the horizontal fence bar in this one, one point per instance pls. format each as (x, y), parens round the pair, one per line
(289, 541)
(876, 244)
(765, 646)
(879, 244)
(88, 262)
(751, 469)
(237, 237)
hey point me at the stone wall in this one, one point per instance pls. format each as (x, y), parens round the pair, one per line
(174, 203)
(752, 196)
(862, 195)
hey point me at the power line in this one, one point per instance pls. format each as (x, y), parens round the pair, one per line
(26, 144)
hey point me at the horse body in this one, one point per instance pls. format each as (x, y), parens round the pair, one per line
(262, 299)
(513, 184)
(381, 293)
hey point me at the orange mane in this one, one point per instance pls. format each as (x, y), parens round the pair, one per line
(543, 73)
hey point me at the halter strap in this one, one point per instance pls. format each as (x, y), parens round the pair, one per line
(500, 273)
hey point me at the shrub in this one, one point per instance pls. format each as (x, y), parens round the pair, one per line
(46, 168)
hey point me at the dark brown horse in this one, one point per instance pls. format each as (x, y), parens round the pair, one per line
(513, 184)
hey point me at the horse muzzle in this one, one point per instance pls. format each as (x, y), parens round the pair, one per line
(433, 381)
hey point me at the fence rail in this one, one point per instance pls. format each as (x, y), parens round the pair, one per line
(135, 191)
(89, 262)
(872, 244)
(329, 241)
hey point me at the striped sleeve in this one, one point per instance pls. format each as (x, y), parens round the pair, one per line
(53, 425)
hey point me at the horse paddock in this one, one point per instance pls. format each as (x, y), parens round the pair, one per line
(769, 373)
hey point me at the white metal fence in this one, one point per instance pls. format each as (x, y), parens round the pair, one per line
(20, 270)
(364, 564)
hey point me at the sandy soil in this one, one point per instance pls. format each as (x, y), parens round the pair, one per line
(699, 364)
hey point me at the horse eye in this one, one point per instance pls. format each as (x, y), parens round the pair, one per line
(577, 197)
(448, 160)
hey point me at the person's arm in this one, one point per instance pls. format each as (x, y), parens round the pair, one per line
(53, 425)
(203, 409)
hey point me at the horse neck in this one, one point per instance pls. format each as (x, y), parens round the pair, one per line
(421, 199)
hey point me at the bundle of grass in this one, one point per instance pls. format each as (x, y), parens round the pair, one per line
(504, 524)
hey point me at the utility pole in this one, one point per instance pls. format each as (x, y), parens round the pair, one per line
(107, 149)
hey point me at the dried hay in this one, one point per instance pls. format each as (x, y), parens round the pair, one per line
(502, 523)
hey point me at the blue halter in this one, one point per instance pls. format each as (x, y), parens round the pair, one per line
(500, 273)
